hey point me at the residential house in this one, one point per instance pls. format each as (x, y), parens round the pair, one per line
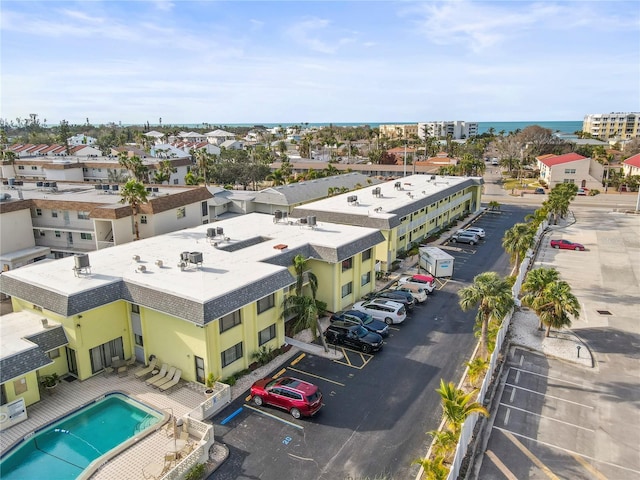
(218, 136)
(631, 166)
(570, 168)
(81, 139)
(203, 299)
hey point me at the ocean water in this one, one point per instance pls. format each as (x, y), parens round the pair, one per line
(568, 126)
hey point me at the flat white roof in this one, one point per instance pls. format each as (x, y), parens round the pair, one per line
(15, 326)
(79, 192)
(222, 271)
(412, 188)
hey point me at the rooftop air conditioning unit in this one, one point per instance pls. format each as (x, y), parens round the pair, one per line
(81, 260)
(195, 257)
(311, 221)
(211, 232)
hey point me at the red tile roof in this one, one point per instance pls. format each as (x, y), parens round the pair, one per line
(559, 159)
(634, 161)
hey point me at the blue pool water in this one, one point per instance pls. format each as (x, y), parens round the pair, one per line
(65, 449)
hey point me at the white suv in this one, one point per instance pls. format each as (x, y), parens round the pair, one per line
(477, 230)
(385, 310)
(425, 281)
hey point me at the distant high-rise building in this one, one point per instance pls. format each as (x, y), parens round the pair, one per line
(618, 125)
(457, 129)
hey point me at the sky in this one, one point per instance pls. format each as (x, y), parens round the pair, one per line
(222, 63)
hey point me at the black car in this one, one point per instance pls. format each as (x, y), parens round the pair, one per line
(399, 296)
(355, 336)
(354, 317)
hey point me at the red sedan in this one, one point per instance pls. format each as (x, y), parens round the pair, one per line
(567, 245)
(298, 397)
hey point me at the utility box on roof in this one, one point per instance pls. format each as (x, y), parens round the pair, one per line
(436, 261)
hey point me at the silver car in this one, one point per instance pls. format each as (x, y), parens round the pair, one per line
(465, 237)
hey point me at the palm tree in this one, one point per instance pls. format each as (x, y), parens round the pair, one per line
(277, 177)
(493, 297)
(306, 309)
(494, 205)
(135, 194)
(517, 240)
(537, 217)
(164, 171)
(476, 370)
(434, 469)
(535, 282)
(457, 406)
(555, 304)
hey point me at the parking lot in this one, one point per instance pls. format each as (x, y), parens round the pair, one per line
(377, 407)
(560, 418)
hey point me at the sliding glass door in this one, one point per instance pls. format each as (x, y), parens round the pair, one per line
(102, 355)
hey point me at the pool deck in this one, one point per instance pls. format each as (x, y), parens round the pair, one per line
(70, 395)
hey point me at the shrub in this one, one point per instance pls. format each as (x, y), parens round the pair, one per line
(196, 472)
(231, 381)
(594, 192)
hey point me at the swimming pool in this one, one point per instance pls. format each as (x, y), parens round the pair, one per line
(82, 440)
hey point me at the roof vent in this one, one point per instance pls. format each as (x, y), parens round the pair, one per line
(45, 322)
(397, 186)
(141, 268)
(159, 263)
(311, 221)
(280, 246)
(136, 258)
(82, 265)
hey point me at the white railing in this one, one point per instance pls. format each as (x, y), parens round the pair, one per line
(200, 454)
(469, 425)
(212, 405)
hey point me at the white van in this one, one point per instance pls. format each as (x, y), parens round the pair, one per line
(418, 292)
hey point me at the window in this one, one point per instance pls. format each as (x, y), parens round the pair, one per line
(34, 168)
(366, 255)
(54, 214)
(181, 212)
(143, 219)
(135, 308)
(365, 278)
(569, 180)
(569, 170)
(232, 354)
(41, 233)
(230, 321)
(86, 236)
(266, 303)
(38, 212)
(138, 340)
(83, 215)
(200, 374)
(20, 167)
(347, 288)
(57, 232)
(205, 209)
(267, 334)
(175, 181)
(54, 353)
(347, 264)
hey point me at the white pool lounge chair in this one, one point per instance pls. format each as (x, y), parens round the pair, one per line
(149, 369)
(163, 379)
(171, 383)
(161, 374)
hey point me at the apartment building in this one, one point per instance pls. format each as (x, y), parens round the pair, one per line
(407, 131)
(458, 129)
(51, 219)
(204, 299)
(617, 126)
(406, 211)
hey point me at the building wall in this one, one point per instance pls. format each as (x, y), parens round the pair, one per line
(570, 172)
(16, 232)
(74, 174)
(610, 125)
(172, 220)
(28, 383)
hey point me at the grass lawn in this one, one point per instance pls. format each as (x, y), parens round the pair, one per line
(513, 183)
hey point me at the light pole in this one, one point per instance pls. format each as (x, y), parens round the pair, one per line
(405, 158)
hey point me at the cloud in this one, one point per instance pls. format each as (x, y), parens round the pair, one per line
(164, 5)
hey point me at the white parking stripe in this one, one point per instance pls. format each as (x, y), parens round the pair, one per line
(571, 452)
(513, 392)
(506, 416)
(273, 416)
(549, 418)
(545, 395)
(546, 376)
(517, 376)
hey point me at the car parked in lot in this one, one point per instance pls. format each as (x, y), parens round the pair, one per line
(355, 317)
(297, 397)
(477, 230)
(404, 298)
(567, 245)
(386, 310)
(416, 291)
(539, 191)
(355, 336)
(465, 237)
(425, 281)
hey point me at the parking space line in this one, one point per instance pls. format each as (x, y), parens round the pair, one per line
(530, 455)
(506, 416)
(348, 363)
(546, 376)
(594, 471)
(280, 373)
(501, 466)
(300, 357)
(549, 418)
(316, 376)
(545, 395)
(570, 452)
(275, 417)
